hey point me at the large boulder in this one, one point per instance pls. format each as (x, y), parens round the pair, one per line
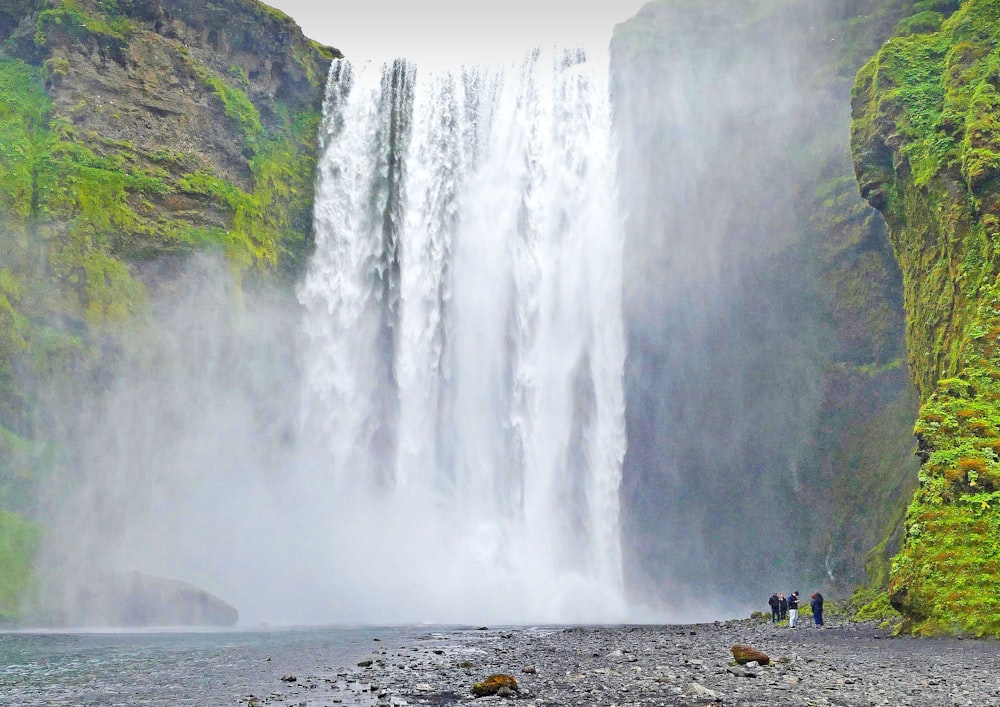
(141, 600)
(145, 600)
(748, 654)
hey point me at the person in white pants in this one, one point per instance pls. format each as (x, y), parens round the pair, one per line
(793, 609)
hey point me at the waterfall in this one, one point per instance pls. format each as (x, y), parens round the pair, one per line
(462, 395)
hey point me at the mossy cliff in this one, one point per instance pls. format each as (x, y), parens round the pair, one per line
(133, 131)
(926, 143)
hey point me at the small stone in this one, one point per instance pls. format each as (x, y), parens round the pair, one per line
(289, 678)
(493, 684)
(701, 691)
(530, 670)
(422, 687)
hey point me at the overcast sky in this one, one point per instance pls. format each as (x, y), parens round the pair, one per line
(455, 30)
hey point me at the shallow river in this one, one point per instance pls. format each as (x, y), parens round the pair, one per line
(178, 668)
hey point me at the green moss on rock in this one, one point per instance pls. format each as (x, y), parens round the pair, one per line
(130, 131)
(926, 141)
(494, 684)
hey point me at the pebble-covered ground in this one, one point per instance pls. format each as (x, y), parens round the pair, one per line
(840, 664)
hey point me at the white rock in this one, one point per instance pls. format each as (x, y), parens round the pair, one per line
(702, 691)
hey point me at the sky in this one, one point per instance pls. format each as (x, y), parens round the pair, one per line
(456, 30)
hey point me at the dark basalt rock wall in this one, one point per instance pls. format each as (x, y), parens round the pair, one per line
(769, 411)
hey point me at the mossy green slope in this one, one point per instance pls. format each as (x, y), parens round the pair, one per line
(926, 142)
(133, 131)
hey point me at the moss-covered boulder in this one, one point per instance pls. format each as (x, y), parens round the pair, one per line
(494, 684)
(926, 143)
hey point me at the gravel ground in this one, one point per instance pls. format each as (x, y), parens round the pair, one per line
(842, 664)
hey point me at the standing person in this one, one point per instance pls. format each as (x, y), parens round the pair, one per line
(783, 606)
(793, 609)
(775, 605)
(817, 606)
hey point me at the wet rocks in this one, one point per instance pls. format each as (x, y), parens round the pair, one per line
(666, 666)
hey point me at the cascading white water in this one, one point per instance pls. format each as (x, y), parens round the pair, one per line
(464, 357)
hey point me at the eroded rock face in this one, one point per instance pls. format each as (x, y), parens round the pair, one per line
(140, 75)
(135, 134)
(173, 88)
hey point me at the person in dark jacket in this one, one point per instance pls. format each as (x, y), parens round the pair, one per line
(817, 606)
(793, 609)
(775, 605)
(783, 606)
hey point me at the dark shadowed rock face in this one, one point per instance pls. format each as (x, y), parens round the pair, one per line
(768, 412)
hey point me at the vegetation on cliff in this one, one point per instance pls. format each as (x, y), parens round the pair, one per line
(926, 141)
(132, 131)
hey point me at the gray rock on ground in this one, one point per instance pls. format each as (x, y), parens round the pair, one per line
(842, 665)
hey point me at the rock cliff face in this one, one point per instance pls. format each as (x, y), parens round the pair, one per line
(926, 142)
(768, 406)
(134, 132)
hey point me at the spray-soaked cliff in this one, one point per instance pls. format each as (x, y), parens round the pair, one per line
(768, 405)
(132, 134)
(926, 141)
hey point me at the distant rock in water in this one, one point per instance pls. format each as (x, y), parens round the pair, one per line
(145, 600)
(135, 599)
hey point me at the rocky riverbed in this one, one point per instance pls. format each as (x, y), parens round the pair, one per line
(843, 664)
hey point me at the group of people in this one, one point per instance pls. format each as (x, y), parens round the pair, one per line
(783, 607)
